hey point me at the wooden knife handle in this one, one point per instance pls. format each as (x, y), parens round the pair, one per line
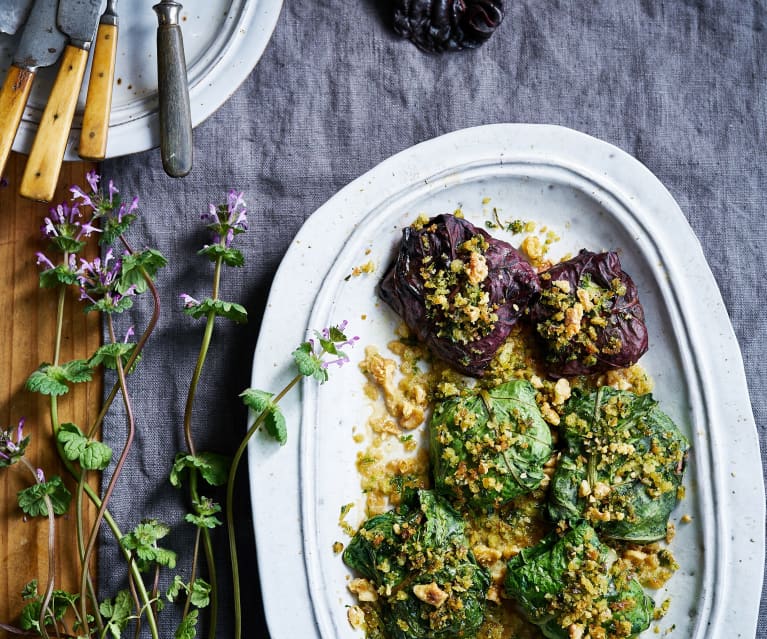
(98, 104)
(176, 147)
(13, 99)
(44, 163)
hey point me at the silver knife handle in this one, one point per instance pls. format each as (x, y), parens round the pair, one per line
(175, 114)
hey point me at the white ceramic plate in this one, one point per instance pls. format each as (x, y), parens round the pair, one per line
(223, 41)
(594, 196)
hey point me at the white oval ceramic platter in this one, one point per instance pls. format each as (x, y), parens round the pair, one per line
(223, 41)
(594, 196)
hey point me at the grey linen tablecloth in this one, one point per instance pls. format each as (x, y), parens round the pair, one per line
(681, 85)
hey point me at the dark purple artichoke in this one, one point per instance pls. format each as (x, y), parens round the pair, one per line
(447, 25)
(459, 290)
(588, 316)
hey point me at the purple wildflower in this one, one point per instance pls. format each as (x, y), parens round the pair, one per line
(41, 259)
(125, 209)
(64, 221)
(103, 203)
(128, 334)
(228, 219)
(93, 179)
(189, 301)
(98, 280)
(11, 450)
(40, 475)
(79, 194)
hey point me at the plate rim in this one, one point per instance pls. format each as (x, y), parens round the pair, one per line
(418, 163)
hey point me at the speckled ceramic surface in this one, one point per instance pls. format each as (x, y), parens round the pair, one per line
(592, 195)
(223, 41)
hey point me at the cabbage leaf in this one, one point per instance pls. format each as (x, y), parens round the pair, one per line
(621, 467)
(569, 583)
(489, 446)
(418, 547)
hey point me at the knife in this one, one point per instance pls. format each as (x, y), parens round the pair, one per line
(41, 45)
(78, 20)
(13, 15)
(98, 103)
(176, 146)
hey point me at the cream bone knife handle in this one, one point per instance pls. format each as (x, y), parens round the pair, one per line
(44, 164)
(175, 114)
(98, 104)
(13, 99)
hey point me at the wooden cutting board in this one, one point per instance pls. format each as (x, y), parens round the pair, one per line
(27, 330)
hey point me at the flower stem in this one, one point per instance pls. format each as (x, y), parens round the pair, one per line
(136, 351)
(113, 480)
(45, 608)
(193, 576)
(108, 518)
(188, 410)
(81, 550)
(230, 506)
(59, 323)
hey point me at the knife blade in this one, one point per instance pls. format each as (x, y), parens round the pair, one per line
(13, 15)
(78, 20)
(98, 103)
(41, 45)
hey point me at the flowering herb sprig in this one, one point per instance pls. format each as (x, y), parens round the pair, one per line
(224, 222)
(107, 285)
(312, 359)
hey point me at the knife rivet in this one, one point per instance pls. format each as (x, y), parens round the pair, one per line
(101, 74)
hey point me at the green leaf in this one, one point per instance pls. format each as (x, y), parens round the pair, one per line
(77, 371)
(176, 586)
(108, 354)
(257, 400)
(135, 265)
(108, 305)
(203, 521)
(275, 425)
(118, 613)
(59, 603)
(54, 380)
(32, 500)
(260, 402)
(230, 256)
(60, 275)
(113, 228)
(67, 244)
(142, 540)
(220, 308)
(309, 365)
(200, 596)
(30, 590)
(213, 467)
(91, 454)
(187, 628)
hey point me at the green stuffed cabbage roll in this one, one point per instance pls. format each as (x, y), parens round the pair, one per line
(490, 446)
(569, 587)
(428, 584)
(622, 465)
